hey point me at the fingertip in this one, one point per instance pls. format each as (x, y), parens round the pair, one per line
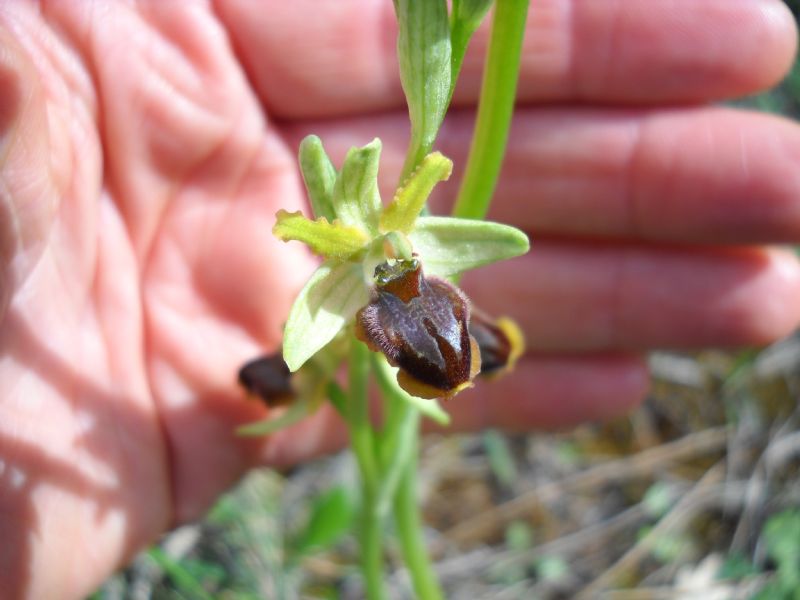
(770, 309)
(778, 50)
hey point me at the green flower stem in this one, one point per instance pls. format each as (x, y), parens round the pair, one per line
(371, 542)
(361, 435)
(399, 449)
(363, 443)
(398, 439)
(409, 529)
(494, 110)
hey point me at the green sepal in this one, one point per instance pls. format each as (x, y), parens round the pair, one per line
(410, 198)
(328, 301)
(293, 414)
(356, 199)
(448, 246)
(319, 175)
(331, 240)
(423, 52)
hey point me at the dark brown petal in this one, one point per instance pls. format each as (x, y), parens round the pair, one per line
(426, 336)
(268, 378)
(500, 341)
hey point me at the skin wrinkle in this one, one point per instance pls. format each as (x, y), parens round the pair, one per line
(28, 217)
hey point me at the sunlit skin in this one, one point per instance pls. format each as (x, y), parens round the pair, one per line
(145, 148)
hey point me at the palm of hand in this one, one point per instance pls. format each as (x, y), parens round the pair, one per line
(139, 272)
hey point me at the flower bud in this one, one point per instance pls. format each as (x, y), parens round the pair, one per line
(268, 378)
(500, 341)
(421, 325)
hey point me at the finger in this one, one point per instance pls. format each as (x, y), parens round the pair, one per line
(699, 175)
(311, 59)
(589, 297)
(550, 392)
(708, 175)
(544, 392)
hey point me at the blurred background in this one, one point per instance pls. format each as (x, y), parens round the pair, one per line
(695, 495)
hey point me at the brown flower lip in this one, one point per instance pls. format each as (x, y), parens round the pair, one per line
(500, 341)
(421, 325)
(268, 378)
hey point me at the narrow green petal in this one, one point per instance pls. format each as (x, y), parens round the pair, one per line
(332, 240)
(411, 197)
(319, 175)
(290, 416)
(449, 246)
(324, 306)
(356, 199)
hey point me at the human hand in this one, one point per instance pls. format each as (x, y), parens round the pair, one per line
(144, 149)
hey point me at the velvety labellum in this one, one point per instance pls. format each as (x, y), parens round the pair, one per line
(268, 378)
(420, 325)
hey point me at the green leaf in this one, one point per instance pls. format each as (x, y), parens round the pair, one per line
(324, 306)
(519, 536)
(331, 240)
(331, 517)
(184, 581)
(294, 412)
(501, 458)
(658, 499)
(449, 246)
(465, 19)
(552, 568)
(356, 199)
(319, 175)
(411, 197)
(423, 51)
(470, 12)
(782, 536)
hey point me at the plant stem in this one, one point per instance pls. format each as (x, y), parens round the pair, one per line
(370, 540)
(399, 436)
(495, 109)
(363, 443)
(409, 529)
